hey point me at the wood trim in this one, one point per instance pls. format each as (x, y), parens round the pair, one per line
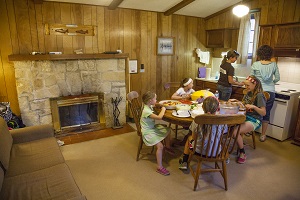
(178, 7)
(114, 4)
(20, 57)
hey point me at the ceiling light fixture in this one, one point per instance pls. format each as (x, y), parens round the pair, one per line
(240, 10)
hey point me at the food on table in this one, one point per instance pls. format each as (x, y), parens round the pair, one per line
(171, 103)
(184, 101)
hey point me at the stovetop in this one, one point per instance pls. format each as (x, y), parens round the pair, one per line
(289, 89)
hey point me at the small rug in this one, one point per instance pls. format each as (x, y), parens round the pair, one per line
(92, 135)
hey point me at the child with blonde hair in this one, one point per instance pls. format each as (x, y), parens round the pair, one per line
(154, 134)
(255, 104)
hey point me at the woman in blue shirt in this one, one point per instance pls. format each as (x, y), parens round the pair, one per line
(268, 74)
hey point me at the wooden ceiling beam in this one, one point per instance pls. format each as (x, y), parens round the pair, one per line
(114, 4)
(178, 7)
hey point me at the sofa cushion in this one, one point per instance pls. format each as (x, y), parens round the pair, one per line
(5, 143)
(51, 183)
(32, 156)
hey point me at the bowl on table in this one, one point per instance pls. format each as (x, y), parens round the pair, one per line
(201, 94)
(229, 108)
(183, 107)
(170, 104)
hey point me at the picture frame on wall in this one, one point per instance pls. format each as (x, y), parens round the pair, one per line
(165, 46)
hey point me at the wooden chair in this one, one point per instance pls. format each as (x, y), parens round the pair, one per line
(136, 108)
(252, 133)
(225, 124)
(169, 86)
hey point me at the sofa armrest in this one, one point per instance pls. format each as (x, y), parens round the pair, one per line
(31, 133)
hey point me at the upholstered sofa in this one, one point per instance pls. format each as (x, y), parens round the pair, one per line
(32, 165)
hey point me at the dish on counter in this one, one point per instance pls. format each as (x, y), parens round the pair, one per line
(170, 104)
(181, 113)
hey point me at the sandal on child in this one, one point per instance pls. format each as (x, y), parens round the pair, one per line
(242, 159)
(163, 171)
(262, 138)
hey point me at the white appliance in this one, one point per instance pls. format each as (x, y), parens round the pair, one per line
(283, 117)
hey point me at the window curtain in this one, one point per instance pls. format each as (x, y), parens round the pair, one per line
(244, 36)
(243, 40)
(256, 35)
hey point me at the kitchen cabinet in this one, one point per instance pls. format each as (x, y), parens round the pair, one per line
(220, 38)
(285, 39)
(265, 36)
(297, 130)
(237, 92)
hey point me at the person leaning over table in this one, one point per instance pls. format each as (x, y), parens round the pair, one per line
(185, 90)
(225, 82)
(268, 73)
(255, 103)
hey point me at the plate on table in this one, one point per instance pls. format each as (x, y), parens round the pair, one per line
(181, 113)
(170, 104)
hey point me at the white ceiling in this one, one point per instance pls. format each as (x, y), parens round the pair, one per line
(198, 8)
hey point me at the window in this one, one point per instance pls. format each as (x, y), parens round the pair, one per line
(251, 36)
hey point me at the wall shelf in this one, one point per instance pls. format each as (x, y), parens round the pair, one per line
(22, 57)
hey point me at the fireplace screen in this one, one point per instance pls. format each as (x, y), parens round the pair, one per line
(78, 113)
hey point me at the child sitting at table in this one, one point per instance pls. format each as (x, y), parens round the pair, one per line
(154, 134)
(185, 90)
(255, 104)
(210, 106)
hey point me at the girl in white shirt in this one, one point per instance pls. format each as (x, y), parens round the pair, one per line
(185, 90)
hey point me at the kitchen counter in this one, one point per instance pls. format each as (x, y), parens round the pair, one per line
(213, 80)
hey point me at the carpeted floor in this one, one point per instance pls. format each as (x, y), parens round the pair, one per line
(106, 169)
(73, 138)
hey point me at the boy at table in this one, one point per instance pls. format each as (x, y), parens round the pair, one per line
(210, 105)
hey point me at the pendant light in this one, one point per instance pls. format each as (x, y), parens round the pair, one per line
(240, 10)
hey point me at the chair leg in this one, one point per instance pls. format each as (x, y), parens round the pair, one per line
(139, 149)
(198, 172)
(253, 139)
(224, 170)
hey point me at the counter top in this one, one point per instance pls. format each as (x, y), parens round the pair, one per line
(213, 80)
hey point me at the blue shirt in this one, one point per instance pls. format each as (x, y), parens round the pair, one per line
(268, 74)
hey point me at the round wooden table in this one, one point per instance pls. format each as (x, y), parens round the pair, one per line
(181, 121)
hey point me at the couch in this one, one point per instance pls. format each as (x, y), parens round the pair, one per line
(32, 165)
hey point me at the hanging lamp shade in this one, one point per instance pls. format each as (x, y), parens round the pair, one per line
(240, 10)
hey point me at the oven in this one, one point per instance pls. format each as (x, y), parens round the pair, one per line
(283, 115)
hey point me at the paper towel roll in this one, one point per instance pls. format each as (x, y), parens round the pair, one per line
(208, 71)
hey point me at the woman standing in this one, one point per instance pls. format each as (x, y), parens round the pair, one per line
(226, 75)
(267, 72)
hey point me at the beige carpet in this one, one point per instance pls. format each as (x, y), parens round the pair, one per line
(106, 169)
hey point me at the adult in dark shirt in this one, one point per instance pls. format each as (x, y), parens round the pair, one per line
(226, 80)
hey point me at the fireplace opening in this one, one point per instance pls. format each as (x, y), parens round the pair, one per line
(80, 113)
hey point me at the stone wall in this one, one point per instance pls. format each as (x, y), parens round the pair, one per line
(37, 81)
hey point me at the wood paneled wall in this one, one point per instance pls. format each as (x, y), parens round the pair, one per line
(132, 31)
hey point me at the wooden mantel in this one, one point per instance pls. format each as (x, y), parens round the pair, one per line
(20, 57)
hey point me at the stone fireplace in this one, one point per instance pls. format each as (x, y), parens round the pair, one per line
(39, 80)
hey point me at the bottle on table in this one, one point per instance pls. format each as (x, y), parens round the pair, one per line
(217, 94)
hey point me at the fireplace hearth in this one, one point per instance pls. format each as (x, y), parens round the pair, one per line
(78, 113)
